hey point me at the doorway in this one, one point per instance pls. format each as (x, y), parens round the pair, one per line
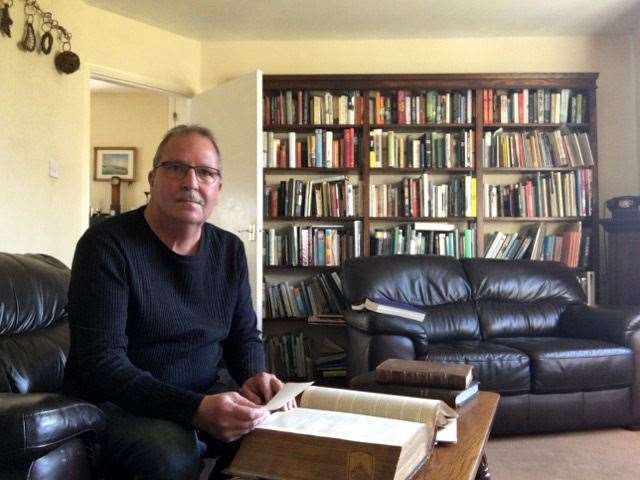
(126, 124)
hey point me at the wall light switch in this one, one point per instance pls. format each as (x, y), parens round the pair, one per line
(53, 169)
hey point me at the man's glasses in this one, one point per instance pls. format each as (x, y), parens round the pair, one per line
(178, 171)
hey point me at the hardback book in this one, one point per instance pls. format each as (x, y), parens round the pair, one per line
(389, 307)
(424, 374)
(343, 435)
(454, 398)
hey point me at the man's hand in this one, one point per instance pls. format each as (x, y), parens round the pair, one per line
(262, 387)
(228, 416)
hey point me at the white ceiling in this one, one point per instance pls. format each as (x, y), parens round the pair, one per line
(239, 20)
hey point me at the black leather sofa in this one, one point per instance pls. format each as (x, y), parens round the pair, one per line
(557, 363)
(43, 434)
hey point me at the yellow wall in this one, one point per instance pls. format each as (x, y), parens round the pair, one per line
(45, 115)
(127, 120)
(613, 57)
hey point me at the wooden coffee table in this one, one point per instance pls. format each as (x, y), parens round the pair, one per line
(465, 460)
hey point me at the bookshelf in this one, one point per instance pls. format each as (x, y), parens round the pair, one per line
(427, 148)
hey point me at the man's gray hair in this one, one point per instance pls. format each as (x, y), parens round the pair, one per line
(180, 130)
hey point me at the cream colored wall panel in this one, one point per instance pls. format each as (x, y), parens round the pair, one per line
(45, 116)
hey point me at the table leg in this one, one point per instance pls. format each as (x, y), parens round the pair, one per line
(483, 470)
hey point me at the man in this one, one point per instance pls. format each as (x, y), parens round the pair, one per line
(158, 297)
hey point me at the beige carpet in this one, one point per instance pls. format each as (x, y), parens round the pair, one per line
(590, 455)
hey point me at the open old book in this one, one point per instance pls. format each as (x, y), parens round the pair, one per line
(343, 434)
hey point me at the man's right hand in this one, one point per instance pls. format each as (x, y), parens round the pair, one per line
(228, 416)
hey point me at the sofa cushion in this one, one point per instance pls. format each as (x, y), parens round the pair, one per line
(572, 364)
(498, 368)
(435, 284)
(34, 362)
(508, 319)
(521, 297)
(33, 292)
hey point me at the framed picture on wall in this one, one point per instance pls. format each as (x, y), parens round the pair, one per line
(112, 162)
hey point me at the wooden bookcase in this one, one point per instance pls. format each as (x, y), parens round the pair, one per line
(415, 84)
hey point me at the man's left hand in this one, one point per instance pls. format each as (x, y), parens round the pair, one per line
(262, 387)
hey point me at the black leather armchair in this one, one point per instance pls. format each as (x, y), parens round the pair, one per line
(557, 363)
(43, 434)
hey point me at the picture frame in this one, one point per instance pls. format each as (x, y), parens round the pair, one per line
(109, 162)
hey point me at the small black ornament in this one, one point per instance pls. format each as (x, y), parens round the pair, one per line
(5, 21)
(67, 62)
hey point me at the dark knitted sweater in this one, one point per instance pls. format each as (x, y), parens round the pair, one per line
(149, 327)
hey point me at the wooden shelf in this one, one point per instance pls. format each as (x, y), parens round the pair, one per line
(535, 219)
(313, 219)
(552, 126)
(310, 171)
(308, 128)
(400, 171)
(488, 170)
(422, 219)
(422, 126)
(288, 268)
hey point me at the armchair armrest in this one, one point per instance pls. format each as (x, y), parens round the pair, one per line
(614, 324)
(35, 424)
(381, 324)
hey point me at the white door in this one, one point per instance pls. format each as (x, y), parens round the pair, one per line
(233, 111)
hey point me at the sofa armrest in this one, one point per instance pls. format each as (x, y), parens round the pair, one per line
(381, 324)
(614, 324)
(37, 423)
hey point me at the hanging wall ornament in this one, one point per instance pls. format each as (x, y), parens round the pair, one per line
(5, 19)
(28, 42)
(66, 61)
(46, 41)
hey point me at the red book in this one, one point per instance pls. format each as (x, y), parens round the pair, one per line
(298, 154)
(490, 109)
(485, 105)
(273, 203)
(521, 118)
(299, 103)
(266, 111)
(402, 114)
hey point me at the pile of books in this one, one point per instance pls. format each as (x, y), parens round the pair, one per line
(331, 361)
(450, 382)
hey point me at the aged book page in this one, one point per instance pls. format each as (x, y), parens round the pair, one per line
(345, 426)
(433, 413)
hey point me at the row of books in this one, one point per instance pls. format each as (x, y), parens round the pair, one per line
(319, 295)
(571, 247)
(540, 105)
(406, 108)
(312, 107)
(312, 246)
(420, 197)
(551, 194)
(427, 150)
(331, 360)
(289, 355)
(329, 197)
(320, 149)
(422, 238)
(534, 149)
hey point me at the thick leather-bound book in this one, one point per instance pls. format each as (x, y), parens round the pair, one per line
(453, 397)
(343, 435)
(424, 374)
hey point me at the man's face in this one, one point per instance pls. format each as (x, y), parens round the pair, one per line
(187, 200)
